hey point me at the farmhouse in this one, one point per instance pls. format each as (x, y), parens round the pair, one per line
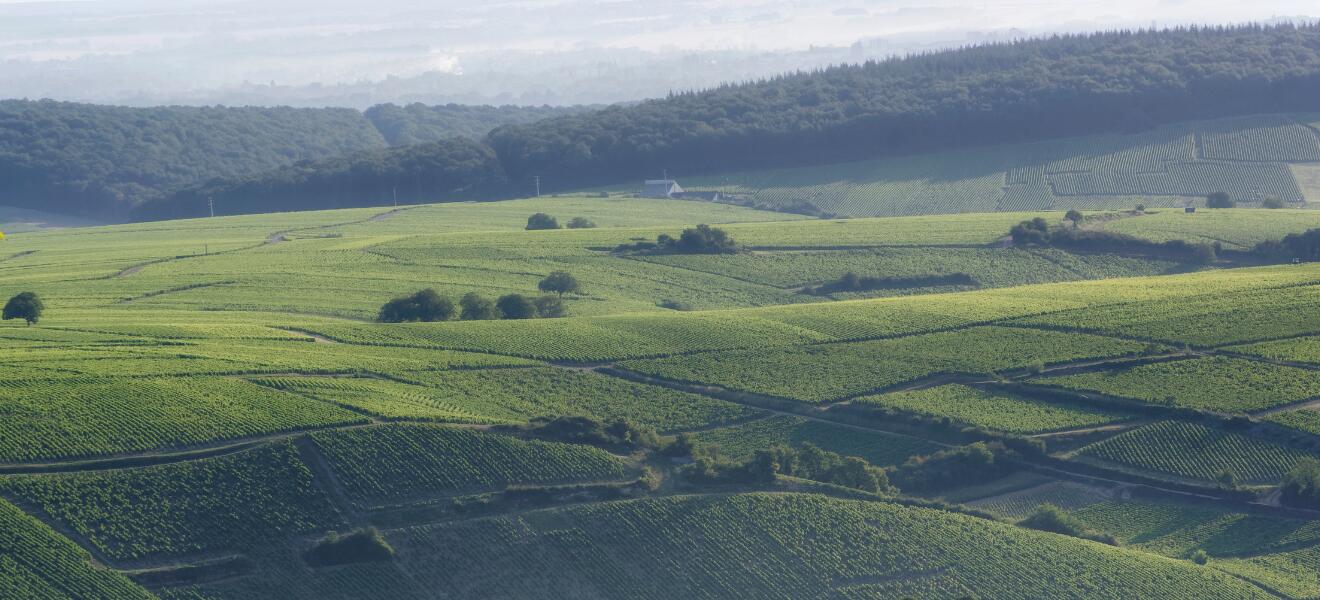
(661, 188)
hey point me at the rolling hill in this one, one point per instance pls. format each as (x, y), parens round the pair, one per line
(204, 401)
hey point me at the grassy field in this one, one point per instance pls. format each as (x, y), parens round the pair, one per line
(204, 399)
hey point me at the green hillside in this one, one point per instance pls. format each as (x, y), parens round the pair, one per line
(202, 402)
(1250, 158)
(784, 546)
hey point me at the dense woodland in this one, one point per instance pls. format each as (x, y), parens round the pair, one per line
(420, 123)
(78, 158)
(100, 161)
(453, 168)
(1060, 86)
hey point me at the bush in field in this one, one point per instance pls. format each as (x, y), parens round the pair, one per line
(357, 546)
(1272, 202)
(26, 306)
(1035, 232)
(477, 308)
(581, 223)
(559, 283)
(425, 306)
(704, 239)
(1053, 519)
(965, 465)
(549, 307)
(1301, 486)
(515, 306)
(1219, 200)
(541, 221)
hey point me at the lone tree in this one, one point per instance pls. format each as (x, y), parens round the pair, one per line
(425, 305)
(1219, 200)
(559, 283)
(516, 306)
(541, 221)
(1075, 216)
(581, 223)
(477, 308)
(26, 306)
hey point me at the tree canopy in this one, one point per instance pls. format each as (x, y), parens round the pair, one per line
(26, 306)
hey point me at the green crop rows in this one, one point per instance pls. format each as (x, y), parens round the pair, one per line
(226, 503)
(516, 395)
(400, 462)
(829, 372)
(1196, 452)
(38, 563)
(69, 419)
(1215, 383)
(992, 410)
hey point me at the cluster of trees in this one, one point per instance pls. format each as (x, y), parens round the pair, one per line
(1038, 232)
(810, 462)
(24, 305)
(702, 239)
(964, 465)
(851, 282)
(540, 221)
(1301, 486)
(1301, 246)
(428, 305)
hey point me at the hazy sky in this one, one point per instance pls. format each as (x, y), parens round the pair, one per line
(144, 51)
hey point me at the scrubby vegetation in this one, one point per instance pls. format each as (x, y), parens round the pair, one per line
(357, 546)
(1053, 519)
(1301, 486)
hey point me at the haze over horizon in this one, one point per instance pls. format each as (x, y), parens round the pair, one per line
(340, 53)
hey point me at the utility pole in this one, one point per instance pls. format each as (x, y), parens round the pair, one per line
(666, 174)
(210, 203)
(538, 185)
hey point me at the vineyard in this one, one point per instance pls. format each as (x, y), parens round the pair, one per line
(829, 372)
(392, 463)
(992, 410)
(1196, 452)
(1215, 383)
(36, 562)
(220, 504)
(202, 401)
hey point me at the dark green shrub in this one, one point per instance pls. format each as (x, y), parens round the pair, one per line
(357, 546)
